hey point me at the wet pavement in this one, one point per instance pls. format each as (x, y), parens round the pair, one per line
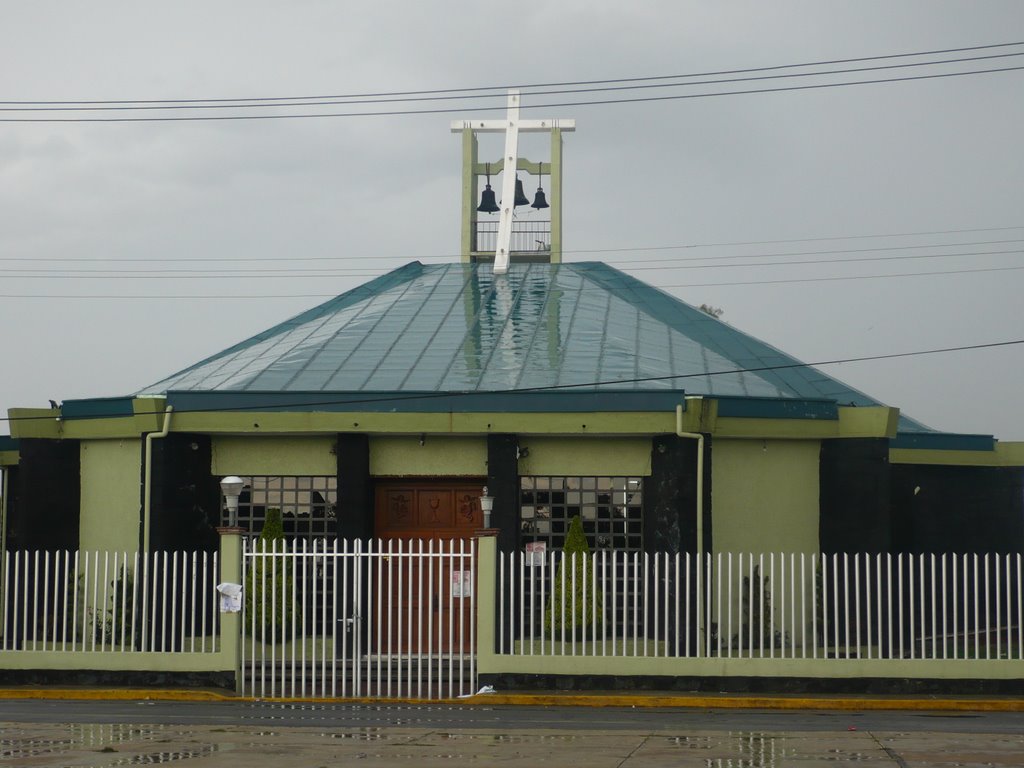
(547, 740)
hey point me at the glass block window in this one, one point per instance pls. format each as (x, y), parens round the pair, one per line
(609, 507)
(308, 505)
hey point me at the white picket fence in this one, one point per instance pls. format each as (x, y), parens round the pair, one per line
(774, 605)
(109, 602)
(353, 619)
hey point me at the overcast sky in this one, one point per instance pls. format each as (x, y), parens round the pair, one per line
(357, 196)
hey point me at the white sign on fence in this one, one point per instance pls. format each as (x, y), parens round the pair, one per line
(535, 553)
(230, 597)
(462, 583)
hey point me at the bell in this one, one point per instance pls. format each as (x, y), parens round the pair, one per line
(521, 198)
(539, 201)
(487, 201)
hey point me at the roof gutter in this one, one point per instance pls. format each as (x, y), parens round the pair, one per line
(148, 475)
(700, 519)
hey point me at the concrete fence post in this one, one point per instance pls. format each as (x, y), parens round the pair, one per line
(231, 623)
(486, 607)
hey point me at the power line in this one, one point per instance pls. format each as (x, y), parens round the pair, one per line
(219, 297)
(305, 272)
(621, 249)
(321, 275)
(356, 400)
(876, 249)
(827, 62)
(450, 110)
(847, 277)
(857, 259)
(463, 97)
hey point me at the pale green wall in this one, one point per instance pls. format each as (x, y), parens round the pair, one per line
(111, 495)
(467, 456)
(438, 456)
(597, 455)
(764, 495)
(252, 455)
(764, 499)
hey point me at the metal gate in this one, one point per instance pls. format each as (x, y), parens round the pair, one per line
(353, 619)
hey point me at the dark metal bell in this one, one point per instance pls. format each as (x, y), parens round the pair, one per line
(539, 201)
(521, 198)
(487, 201)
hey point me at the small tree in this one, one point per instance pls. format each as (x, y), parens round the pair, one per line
(756, 604)
(584, 613)
(268, 584)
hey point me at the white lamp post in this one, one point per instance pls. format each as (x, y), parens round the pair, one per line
(486, 505)
(232, 487)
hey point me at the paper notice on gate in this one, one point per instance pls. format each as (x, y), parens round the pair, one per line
(535, 553)
(462, 583)
(230, 597)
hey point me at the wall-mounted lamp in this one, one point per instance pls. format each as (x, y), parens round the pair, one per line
(232, 487)
(486, 506)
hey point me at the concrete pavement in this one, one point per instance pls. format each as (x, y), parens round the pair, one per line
(102, 745)
(212, 730)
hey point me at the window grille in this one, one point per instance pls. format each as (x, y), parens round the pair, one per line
(610, 509)
(308, 505)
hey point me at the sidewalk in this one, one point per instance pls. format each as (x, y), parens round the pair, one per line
(649, 699)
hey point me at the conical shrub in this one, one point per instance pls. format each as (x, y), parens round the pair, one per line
(268, 584)
(575, 572)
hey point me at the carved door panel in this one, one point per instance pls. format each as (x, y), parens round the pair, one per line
(425, 600)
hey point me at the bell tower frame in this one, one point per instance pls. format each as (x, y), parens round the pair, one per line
(475, 240)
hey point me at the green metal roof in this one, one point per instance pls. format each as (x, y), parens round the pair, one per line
(461, 328)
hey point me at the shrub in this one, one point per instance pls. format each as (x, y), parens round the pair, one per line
(756, 604)
(268, 583)
(582, 615)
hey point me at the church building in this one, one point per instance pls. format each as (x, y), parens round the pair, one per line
(564, 388)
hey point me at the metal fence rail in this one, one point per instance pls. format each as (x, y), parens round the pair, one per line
(773, 605)
(383, 618)
(528, 235)
(109, 602)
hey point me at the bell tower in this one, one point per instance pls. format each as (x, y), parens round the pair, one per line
(534, 235)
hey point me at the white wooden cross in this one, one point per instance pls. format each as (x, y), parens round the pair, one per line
(512, 126)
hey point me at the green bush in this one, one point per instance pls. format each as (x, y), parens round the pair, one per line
(583, 615)
(268, 583)
(756, 603)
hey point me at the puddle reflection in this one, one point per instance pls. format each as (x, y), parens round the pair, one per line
(105, 739)
(758, 750)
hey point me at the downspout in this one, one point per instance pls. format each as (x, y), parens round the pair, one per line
(5, 492)
(700, 519)
(148, 475)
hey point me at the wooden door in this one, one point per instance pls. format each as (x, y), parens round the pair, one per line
(434, 592)
(428, 510)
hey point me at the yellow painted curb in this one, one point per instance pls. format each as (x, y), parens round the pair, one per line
(550, 700)
(752, 702)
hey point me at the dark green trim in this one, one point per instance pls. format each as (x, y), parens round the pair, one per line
(8, 443)
(566, 401)
(97, 408)
(769, 408)
(942, 441)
